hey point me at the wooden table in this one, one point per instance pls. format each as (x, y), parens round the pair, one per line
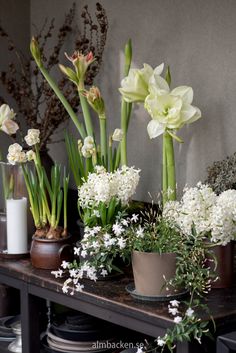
(107, 300)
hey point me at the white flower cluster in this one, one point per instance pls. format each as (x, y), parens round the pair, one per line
(96, 241)
(173, 309)
(15, 154)
(102, 186)
(210, 214)
(223, 220)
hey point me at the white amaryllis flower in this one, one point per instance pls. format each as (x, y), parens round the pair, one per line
(6, 113)
(170, 110)
(135, 87)
(117, 135)
(7, 124)
(32, 137)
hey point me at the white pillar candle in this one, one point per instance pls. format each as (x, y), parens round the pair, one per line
(17, 226)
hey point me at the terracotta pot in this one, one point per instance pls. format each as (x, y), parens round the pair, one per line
(48, 254)
(225, 265)
(149, 269)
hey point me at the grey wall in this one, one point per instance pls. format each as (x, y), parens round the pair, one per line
(198, 40)
(15, 19)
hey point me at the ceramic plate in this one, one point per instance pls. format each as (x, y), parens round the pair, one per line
(130, 288)
(66, 347)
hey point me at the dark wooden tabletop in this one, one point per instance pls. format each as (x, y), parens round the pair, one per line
(112, 294)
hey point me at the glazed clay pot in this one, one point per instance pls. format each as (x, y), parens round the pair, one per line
(224, 256)
(149, 270)
(48, 254)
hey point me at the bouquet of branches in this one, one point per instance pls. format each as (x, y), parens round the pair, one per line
(38, 105)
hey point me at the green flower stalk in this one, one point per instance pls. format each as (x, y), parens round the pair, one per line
(96, 101)
(35, 51)
(81, 63)
(125, 106)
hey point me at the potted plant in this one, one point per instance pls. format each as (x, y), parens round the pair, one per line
(213, 216)
(169, 109)
(50, 242)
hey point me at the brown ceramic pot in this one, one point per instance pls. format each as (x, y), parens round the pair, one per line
(48, 254)
(149, 270)
(225, 265)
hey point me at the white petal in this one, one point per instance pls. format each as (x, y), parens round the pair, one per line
(158, 85)
(159, 69)
(155, 129)
(185, 92)
(196, 116)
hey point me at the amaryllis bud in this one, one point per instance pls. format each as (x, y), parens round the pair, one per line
(35, 51)
(69, 73)
(96, 101)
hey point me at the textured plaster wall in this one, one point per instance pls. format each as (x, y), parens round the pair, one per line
(197, 38)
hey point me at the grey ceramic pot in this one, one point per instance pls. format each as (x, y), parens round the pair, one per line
(150, 269)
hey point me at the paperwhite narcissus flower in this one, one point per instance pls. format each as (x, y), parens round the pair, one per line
(170, 110)
(7, 124)
(88, 148)
(15, 154)
(30, 155)
(32, 137)
(117, 135)
(135, 87)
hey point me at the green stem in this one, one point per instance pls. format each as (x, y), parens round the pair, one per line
(63, 100)
(86, 113)
(123, 143)
(170, 161)
(164, 172)
(103, 139)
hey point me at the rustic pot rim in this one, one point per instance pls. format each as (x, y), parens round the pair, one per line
(43, 240)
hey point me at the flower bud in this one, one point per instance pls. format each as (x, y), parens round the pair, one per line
(35, 51)
(96, 101)
(69, 73)
(117, 135)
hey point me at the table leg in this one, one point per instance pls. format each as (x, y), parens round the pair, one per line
(29, 322)
(189, 347)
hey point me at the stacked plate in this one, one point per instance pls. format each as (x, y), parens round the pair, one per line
(6, 333)
(79, 333)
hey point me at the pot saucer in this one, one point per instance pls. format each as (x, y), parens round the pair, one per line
(130, 288)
